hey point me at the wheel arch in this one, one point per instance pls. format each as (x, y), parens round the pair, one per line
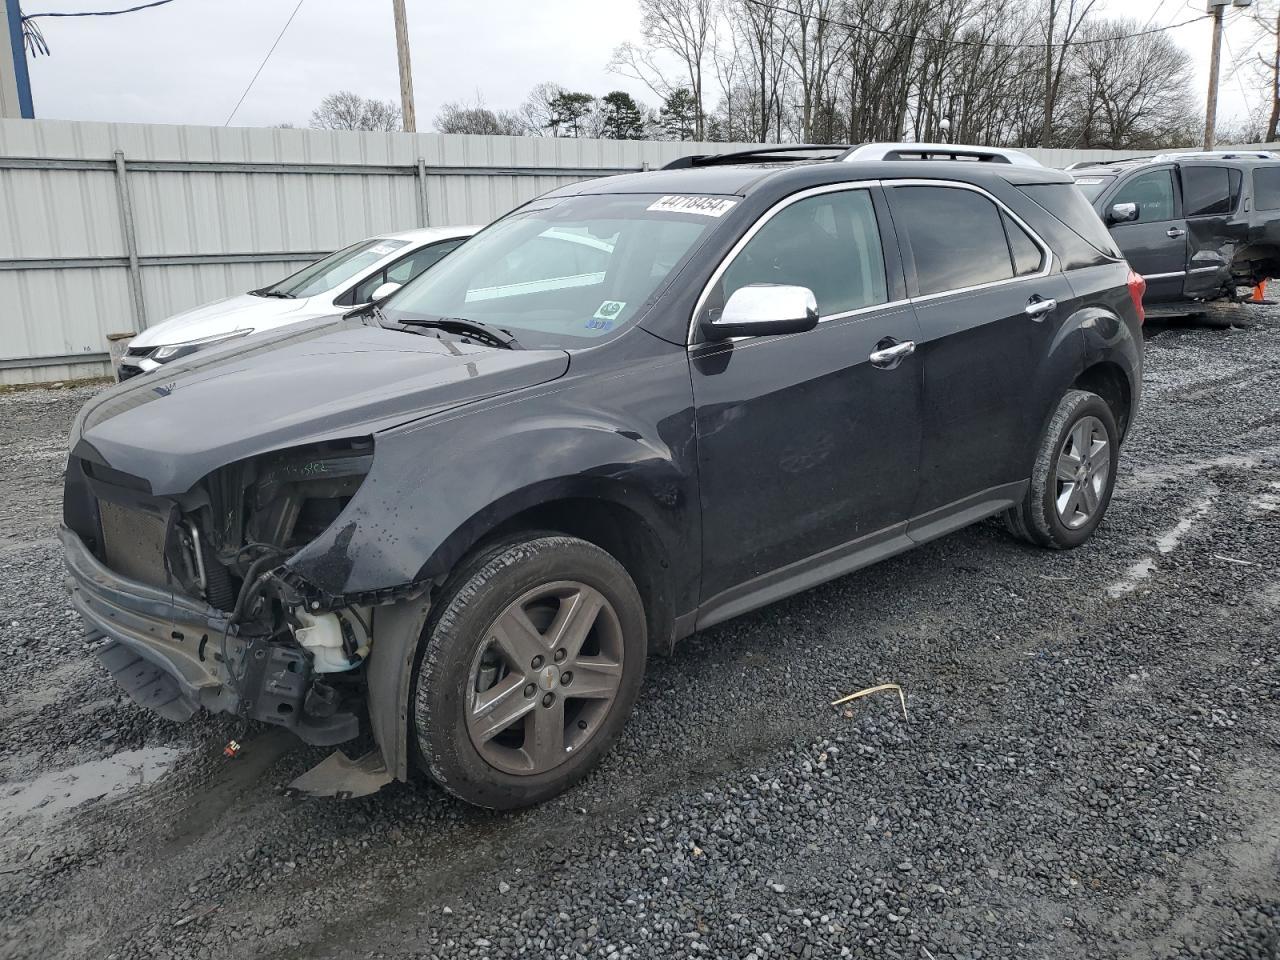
(613, 525)
(593, 510)
(1108, 380)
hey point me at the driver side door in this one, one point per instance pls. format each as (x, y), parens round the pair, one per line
(808, 451)
(1154, 244)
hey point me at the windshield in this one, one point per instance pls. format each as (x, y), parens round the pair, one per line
(334, 270)
(563, 271)
(1091, 187)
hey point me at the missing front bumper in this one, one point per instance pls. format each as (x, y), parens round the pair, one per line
(173, 653)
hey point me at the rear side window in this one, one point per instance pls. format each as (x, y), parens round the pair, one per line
(957, 238)
(829, 243)
(1027, 256)
(1266, 188)
(1206, 191)
(1068, 204)
(1152, 192)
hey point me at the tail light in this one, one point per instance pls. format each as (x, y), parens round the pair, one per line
(1137, 287)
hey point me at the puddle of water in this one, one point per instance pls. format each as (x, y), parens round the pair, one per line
(60, 790)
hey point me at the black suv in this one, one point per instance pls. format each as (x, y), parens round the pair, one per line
(632, 408)
(1197, 226)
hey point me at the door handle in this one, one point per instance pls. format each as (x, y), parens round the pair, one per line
(1173, 233)
(1037, 308)
(890, 352)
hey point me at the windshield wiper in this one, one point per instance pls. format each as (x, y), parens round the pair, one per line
(279, 294)
(462, 326)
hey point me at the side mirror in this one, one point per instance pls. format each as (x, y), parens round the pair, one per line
(385, 290)
(762, 309)
(1122, 213)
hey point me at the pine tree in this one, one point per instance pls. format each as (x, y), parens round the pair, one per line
(623, 119)
(679, 115)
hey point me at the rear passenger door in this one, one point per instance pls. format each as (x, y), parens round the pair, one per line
(989, 305)
(1210, 195)
(1156, 243)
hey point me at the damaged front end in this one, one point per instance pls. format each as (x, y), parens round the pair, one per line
(194, 600)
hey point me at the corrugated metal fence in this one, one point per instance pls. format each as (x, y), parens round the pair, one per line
(111, 227)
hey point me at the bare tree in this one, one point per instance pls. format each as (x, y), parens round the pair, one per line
(458, 117)
(537, 113)
(1266, 17)
(814, 47)
(1130, 91)
(1062, 19)
(679, 28)
(345, 110)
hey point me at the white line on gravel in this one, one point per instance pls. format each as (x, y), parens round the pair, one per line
(1166, 543)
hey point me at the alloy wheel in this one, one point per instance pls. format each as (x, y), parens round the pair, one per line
(1083, 469)
(544, 677)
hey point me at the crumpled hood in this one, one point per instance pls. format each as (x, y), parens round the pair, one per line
(223, 316)
(301, 385)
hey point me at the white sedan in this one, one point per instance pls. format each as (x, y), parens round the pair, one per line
(351, 277)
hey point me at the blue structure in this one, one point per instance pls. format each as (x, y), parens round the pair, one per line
(19, 59)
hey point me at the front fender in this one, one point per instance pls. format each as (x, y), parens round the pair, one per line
(437, 486)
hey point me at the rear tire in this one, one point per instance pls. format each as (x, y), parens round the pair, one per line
(1073, 476)
(529, 672)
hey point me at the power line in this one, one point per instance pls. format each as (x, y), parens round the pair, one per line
(1154, 13)
(1235, 71)
(100, 13)
(264, 62)
(961, 41)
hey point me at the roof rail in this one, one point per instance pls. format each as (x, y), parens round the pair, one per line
(1081, 164)
(788, 153)
(1219, 155)
(940, 151)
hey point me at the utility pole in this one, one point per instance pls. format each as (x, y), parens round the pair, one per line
(15, 84)
(406, 68)
(1218, 9)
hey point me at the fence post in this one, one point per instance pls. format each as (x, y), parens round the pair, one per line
(423, 212)
(130, 241)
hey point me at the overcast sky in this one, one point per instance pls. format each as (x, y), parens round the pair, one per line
(189, 61)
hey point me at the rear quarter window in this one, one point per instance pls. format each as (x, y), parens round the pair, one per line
(1266, 188)
(1067, 204)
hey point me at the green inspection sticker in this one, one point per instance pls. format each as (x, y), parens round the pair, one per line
(609, 310)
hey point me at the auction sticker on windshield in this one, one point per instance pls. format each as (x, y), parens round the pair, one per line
(706, 206)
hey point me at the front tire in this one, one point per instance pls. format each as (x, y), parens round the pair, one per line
(1073, 476)
(529, 672)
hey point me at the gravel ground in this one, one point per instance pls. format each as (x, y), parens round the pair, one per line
(1090, 766)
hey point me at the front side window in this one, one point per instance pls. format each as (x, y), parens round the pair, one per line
(829, 243)
(956, 237)
(401, 272)
(334, 270)
(1206, 191)
(562, 271)
(1153, 194)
